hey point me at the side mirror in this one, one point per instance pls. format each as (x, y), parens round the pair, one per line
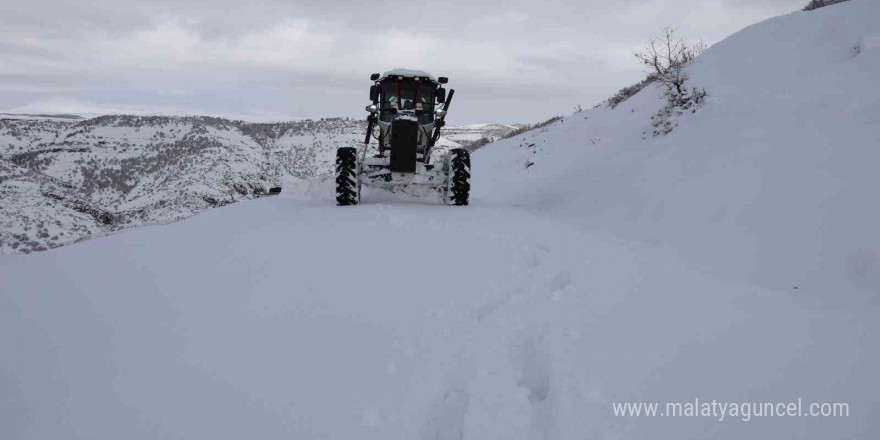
(440, 112)
(443, 80)
(374, 93)
(372, 108)
(374, 77)
(441, 95)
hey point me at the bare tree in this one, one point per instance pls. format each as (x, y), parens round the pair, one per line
(666, 57)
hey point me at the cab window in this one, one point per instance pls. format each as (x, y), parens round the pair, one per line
(391, 103)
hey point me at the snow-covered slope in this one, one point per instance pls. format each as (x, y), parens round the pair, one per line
(593, 267)
(261, 320)
(772, 181)
(37, 209)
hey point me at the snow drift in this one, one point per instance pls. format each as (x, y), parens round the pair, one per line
(594, 267)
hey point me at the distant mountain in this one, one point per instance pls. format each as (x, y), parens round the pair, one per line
(64, 180)
(41, 116)
(468, 135)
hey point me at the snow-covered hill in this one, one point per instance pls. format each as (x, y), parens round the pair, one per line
(596, 265)
(145, 170)
(770, 182)
(469, 134)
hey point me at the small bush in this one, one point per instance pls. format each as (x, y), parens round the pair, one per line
(630, 91)
(666, 59)
(665, 120)
(816, 4)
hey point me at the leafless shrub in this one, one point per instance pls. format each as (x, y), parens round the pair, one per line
(816, 4)
(666, 58)
(630, 91)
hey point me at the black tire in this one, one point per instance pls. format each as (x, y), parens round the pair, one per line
(347, 187)
(458, 185)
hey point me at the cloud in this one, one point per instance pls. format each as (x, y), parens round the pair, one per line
(172, 44)
(65, 104)
(521, 62)
(397, 48)
(68, 105)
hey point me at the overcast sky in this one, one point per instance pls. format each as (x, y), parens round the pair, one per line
(509, 61)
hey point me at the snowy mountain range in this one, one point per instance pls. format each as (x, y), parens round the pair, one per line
(732, 259)
(64, 180)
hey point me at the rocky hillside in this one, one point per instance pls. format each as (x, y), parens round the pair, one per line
(65, 180)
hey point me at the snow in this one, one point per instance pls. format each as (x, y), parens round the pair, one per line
(400, 71)
(112, 164)
(767, 183)
(612, 269)
(236, 322)
(870, 42)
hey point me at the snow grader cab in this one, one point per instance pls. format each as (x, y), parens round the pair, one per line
(409, 108)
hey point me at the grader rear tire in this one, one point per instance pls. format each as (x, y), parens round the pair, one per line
(458, 186)
(347, 186)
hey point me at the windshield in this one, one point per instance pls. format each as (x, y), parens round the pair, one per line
(407, 94)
